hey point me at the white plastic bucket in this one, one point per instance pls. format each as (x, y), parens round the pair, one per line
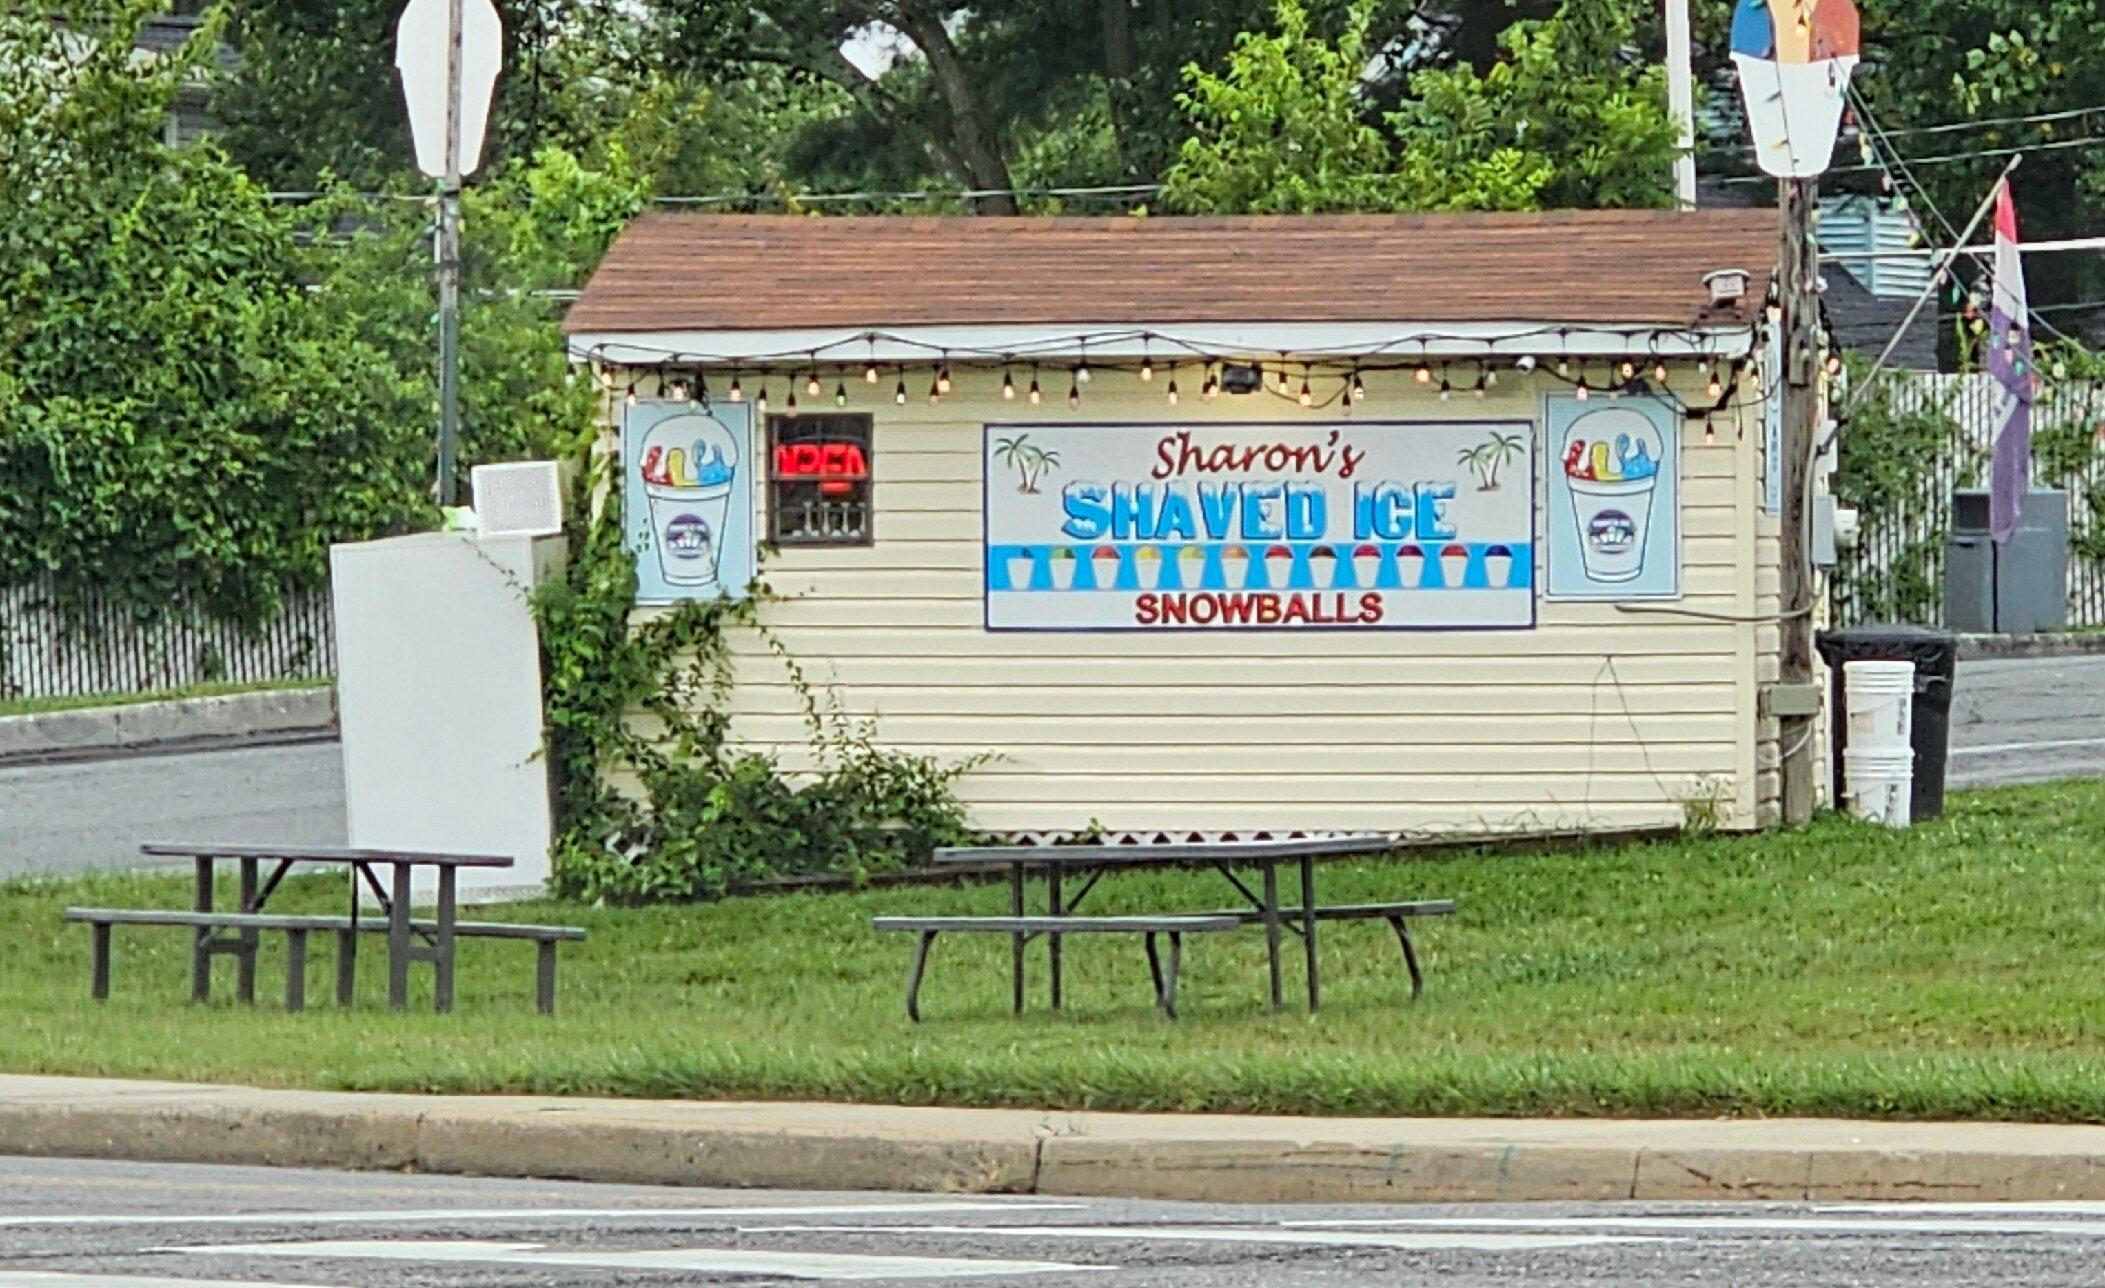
(1880, 783)
(1881, 701)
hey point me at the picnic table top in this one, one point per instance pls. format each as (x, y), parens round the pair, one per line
(322, 854)
(1169, 852)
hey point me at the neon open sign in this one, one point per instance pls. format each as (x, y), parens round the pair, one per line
(835, 467)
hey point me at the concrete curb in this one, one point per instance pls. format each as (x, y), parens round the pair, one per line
(144, 726)
(997, 1151)
(1982, 648)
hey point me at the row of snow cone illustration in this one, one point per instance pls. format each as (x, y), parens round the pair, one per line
(1279, 567)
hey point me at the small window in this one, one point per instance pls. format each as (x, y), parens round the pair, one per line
(819, 480)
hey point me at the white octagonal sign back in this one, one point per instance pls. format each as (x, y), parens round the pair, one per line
(420, 55)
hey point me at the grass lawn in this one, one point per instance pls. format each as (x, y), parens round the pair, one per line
(1956, 971)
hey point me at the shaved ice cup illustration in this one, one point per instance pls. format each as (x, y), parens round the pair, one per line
(1795, 59)
(1023, 565)
(689, 468)
(1611, 466)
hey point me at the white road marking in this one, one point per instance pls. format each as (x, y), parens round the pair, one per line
(724, 1261)
(1716, 1225)
(382, 1216)
(2052, 744)
(2057, 1207)
(33, 1278)
(1275, 1235)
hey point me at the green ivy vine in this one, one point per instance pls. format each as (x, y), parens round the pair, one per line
(653, 800)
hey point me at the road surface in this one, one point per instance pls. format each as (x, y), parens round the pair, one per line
(67, 1224)
(2022, 720)
(2013, 721)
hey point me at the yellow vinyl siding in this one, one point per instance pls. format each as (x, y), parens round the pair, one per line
(1599, 717)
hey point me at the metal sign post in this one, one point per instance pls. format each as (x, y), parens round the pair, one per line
(448, 52)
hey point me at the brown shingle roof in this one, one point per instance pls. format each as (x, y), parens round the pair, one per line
(753, 272)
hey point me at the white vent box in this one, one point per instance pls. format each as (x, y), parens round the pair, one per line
(520, 499)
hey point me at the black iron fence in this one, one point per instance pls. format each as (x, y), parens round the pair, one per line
(86, 647)
(1895, 571)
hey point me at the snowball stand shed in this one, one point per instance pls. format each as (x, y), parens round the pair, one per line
(1226, 529)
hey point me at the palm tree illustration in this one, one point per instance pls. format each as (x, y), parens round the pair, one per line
(1488, 458)
(1030, 461)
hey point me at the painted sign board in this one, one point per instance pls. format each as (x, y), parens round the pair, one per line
(1360, 526)
(688, 479)
(1614, 511)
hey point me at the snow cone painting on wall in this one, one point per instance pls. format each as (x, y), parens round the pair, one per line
(1614, 499)
(687, 499)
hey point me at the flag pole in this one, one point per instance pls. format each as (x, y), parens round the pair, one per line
(1681, 100)
(1945, 261)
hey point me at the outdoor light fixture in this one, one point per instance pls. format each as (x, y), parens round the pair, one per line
(1241, 380)
(1727, 286)
(1008, 387)
(738, 394)
(1525, 364)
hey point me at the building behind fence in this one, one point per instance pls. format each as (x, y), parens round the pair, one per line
(1895, 571)
(92, 647)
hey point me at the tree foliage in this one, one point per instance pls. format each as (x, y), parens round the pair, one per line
(176, 413)
(1285, 126)
(200, 388)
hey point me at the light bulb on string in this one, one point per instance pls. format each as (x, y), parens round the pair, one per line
(1703, 366)
(1583, 391)
(811, 383)
(1424, 374)
(1834, 364)
(1172, 390)
(1563, 365)
(1037, 394)
(1659, 371)
(1710, 431)
(1286, 384)
(760, 398)
(1483, 382)
(1627, 370)
(1716, 387)
(1490, 376)
(1074, 391)
(737, 393)
(899, 391)
(1147, 367)
(631, 398)
(1307, 396)
(678, 389)
(935, 390)
(1357, 390)
(790, 403)
(943, 379)
(1081, 369)
(840, 394)
(1210, 387)
(1446, 389)
(869, 374)
(1008, 387)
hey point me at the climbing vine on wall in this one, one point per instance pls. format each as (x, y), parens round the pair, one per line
(653, 800)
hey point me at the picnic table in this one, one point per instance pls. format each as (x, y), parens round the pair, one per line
(1089, 864)
(255, 889)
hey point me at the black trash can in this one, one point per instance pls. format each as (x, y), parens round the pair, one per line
(1936, 658)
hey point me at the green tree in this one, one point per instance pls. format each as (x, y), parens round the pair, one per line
(1282, 129)
(176, 413)
(1569, 116)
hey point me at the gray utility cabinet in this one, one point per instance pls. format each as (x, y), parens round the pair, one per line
(2015, 589)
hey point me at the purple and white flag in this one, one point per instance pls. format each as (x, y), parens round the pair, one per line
(2010, 362)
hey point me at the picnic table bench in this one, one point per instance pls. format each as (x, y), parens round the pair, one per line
(1092, 862)
(237, 932)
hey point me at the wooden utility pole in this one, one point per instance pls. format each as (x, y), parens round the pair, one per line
(1798, 290)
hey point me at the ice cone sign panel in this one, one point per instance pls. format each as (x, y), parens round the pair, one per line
(1207, 527)
(1614, 499)
(1795, 58)
(688, 499)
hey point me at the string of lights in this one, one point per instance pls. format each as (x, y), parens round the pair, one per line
(1314, 382)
